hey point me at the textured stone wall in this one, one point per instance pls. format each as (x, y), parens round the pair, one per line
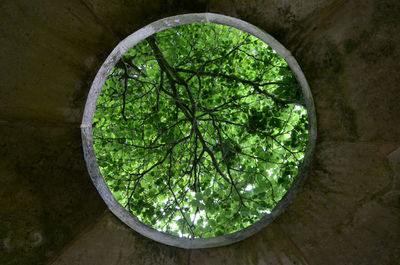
(348, 211)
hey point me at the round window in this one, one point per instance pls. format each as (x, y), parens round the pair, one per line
(198, 130)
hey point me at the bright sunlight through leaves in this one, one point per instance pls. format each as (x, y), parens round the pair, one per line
(200, 130)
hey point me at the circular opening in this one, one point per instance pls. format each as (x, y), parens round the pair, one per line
(200, 130)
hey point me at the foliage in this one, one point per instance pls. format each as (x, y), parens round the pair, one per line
(200, 130)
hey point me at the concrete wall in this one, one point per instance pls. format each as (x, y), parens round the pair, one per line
(348, 210)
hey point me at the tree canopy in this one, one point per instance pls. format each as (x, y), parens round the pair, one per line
(200, 130)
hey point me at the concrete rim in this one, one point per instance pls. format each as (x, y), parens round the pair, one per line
(90, 107)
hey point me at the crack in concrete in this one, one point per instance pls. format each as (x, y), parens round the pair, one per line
(99, 20)
(300, 252)
(312, 23)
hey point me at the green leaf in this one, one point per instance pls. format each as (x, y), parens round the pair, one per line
(188, 123)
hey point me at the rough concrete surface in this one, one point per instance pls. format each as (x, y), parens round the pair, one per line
(46, 194)
(346, 213)
(119, 245)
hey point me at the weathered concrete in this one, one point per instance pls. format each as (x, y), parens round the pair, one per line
(119, 245)
(348, 211)
(46, 196)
